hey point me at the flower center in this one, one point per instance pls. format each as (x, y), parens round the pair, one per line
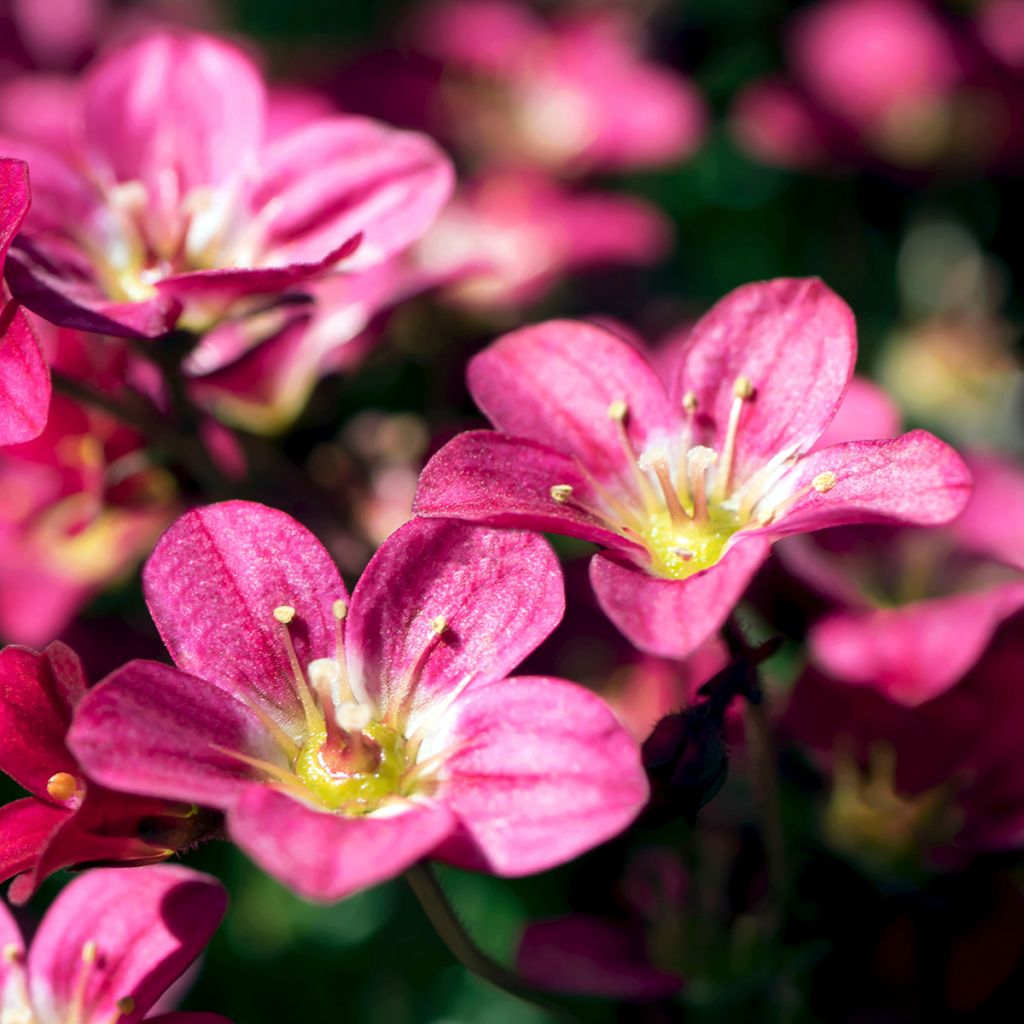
(683, 504)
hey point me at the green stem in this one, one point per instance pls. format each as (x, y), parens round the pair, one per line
(460, 943)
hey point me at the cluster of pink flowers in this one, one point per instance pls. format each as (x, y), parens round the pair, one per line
(190, 250)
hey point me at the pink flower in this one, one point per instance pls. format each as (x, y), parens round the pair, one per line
(82, 503)
(916, 609)
(506, 238)
(573, 95)
(110, 946)
(689, 486)
(68, 820)
(24, 377)
(177, 206)
(345, 740)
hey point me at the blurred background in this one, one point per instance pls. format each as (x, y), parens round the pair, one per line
(634, 161)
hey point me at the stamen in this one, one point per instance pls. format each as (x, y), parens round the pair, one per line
(340, 610)
(125, 1005)
(655, 458)
(561, 493)
(273, 770)
(436, 713)
(617, 412)
(61, 787)
(742, 391)
(824, 482)
(698, 461)
(345, 689)
(690, 402)
(90, 954)
(314, 720)
(11, 953)
(438, 625)
(324, 676)
(400, 709)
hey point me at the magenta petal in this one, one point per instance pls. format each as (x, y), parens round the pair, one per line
(10, 936)
(24, 379)
(325, 857)
(499, 592)
(14, 202)
(867, 413)
(487, 477)
(914, 653)
(213, 582)
(37, 694)
(173, 110)
(672, 618)
(26, 826)
(173, 735)
(795, 341)
(591, 956)
(347, 176)
(914, 478)
(148, 925)
(542, 771)
(993, 522)
(553, 384)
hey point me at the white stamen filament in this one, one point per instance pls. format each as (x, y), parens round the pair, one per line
(742, 391)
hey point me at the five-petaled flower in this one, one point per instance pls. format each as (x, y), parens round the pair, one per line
(67, 820)
(177, 205)
(346, 740)
(687, 486)
(109, 948)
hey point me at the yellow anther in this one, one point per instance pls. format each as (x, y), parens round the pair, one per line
(618, 410)
(61, 787)
(824, 482)
(125, 1005)
(690, 402)
(561, 493)
(89, 952)
(284, 613)
(438, 625)
(340, 610)
(742, 388)
(11, 953)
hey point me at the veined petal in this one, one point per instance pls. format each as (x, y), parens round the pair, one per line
(26, 826)
(542, 771)
(914, 653)
(147, 926)
(344, 176)
(795, 341)
(325, 857)
(14, 202)
(914, 478)
(213, 582)
(487, 477)
(554, 384)
(174, 110)
(37, 694)
(443, 600)
(175, 735)
(24, 379)
(672, 618)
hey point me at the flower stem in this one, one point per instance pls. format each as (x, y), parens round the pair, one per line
(461, 945)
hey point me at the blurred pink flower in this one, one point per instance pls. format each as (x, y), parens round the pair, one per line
(82, 502)
(506, 238)
(576, 94)
(687, 486)
(347, 741)
(176, 206)
(110, 945)
(68, 820)
(24, 377)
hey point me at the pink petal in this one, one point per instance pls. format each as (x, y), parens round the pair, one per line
(11, 970)
(14, 202)
(486, 35)
(37, 694)
(500, 593)
(542, 771)
(213, 582)
(173, 110)
(24, 379)
(914, 478)
(59, 192)
(26, 826)
(672, 618)
(914, 653)
(347, 176)
(867, 414)
(148, 925)
(993, 522)
(795, 341)
(325, 857)
(173, 733)
(487, 477)
(591, 956)
(553, 384)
